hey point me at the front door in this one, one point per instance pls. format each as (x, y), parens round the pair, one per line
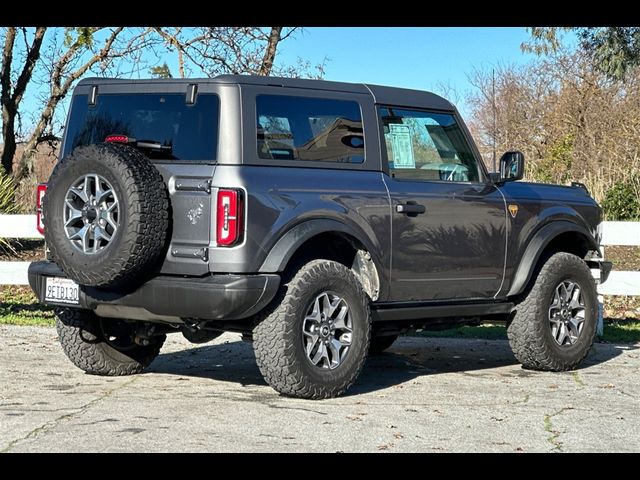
(449, 223)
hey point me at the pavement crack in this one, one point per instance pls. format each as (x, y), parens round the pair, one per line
(524, 400)
(622, 392)
(47, 426)
(552, 431)
(280, 407)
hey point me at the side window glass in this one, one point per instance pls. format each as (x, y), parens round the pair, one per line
(427, 146)
(304, 129)
(275, 138)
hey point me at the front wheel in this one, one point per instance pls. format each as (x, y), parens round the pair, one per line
(554, 326)
(314, 340)
(103, 346)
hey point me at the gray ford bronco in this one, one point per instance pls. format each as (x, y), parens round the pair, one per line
(318, 219)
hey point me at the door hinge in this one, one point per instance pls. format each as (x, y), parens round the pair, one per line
(193, 184)
(191, 252)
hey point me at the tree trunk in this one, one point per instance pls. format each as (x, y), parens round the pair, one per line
(25, 165)
(8, 113)
(8, 138)
(270, 51)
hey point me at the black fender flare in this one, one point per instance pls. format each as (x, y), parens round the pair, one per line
(536, 246)
(288, 244)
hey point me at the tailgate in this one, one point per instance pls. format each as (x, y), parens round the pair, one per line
(190, 217)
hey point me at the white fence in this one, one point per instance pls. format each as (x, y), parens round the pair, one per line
(16, 226)
(614, 233)
(620, 282)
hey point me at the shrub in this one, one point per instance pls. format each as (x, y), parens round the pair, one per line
(7, 192)
(7, 205)
(621, 202)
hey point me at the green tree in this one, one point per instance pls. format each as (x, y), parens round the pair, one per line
(615, 50)
(161, 71)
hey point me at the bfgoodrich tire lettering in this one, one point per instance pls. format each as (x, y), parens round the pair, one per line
(278, 339)
(84, 343)
(143, 215)
(530, 334)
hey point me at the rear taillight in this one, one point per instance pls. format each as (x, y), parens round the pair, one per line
(42, 189)
(229, 217)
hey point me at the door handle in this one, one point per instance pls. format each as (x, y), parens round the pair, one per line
(410, 208)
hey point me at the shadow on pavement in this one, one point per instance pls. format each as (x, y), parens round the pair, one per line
(408, 358)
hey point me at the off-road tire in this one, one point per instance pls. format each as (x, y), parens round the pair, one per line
(379, 344)
(84, 344)
(529, 334)
(277, 334)
(143, 218)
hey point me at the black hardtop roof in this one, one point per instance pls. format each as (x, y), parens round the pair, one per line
(381, 94)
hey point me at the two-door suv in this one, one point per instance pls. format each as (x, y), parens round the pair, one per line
(318, 219)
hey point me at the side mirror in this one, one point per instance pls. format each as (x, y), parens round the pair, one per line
(511, 166)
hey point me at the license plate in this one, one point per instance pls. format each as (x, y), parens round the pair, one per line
(61, 290)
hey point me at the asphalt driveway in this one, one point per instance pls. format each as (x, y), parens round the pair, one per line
(424, 395)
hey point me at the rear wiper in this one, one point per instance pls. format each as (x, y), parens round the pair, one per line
(152, 145)
(149, 144)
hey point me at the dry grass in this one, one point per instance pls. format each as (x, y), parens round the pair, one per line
(19, 306)
(46, 157)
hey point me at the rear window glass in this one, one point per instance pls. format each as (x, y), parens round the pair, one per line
(301, 128)
(186, 132)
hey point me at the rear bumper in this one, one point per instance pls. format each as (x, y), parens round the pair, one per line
(170, 298)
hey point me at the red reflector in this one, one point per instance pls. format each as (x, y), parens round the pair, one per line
(42, 189)
(117, 139)
(229, 217)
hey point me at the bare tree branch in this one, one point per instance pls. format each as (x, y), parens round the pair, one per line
(71, 53)
(172, 40)
(33, 54)
(61, 83)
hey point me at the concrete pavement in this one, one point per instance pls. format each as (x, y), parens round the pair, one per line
(424, 395)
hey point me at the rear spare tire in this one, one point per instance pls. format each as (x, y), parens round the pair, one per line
(106, 214)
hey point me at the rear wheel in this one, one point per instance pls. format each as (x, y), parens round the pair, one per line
(554, 326)
(313, 342)
(103, 346)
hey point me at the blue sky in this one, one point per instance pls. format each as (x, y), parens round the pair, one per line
(418, 58)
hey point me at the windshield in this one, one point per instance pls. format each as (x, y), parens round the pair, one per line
(187, 132)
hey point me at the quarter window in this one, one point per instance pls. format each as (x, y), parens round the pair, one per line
(427, 146)
(309, 129)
